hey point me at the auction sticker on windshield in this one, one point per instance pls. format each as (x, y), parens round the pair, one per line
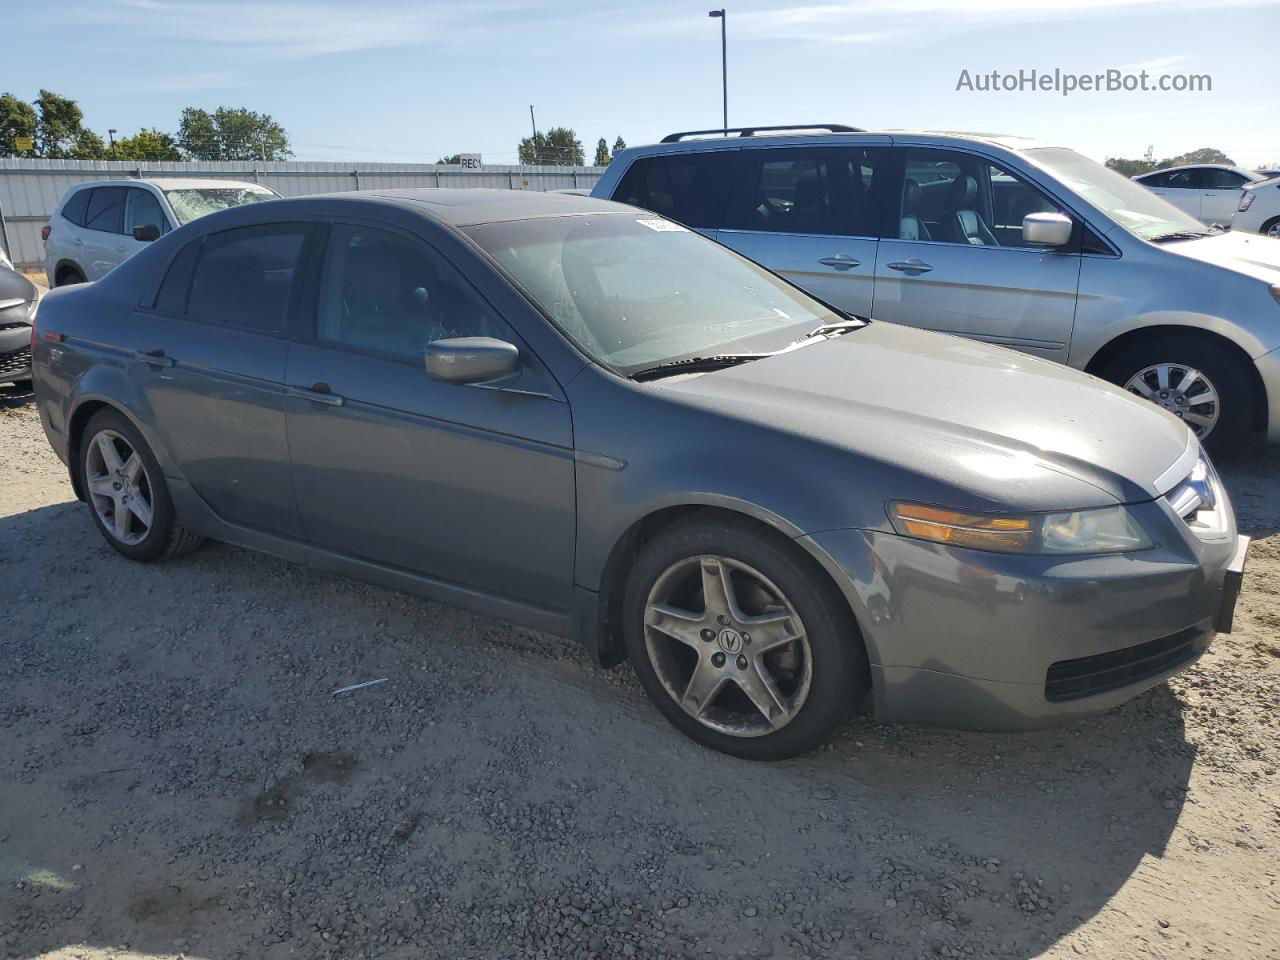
(663, 226)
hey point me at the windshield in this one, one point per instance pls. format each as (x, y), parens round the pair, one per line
(634, 291)
(192, 202)
(1130, 204)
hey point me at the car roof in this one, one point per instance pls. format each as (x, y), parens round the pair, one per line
(468, 206)
(1201, 166)
(1005, 140)
(168, 183)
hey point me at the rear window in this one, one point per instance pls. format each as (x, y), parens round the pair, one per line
(245, 277)
(106, 210)
(690, 188)
(75, 207)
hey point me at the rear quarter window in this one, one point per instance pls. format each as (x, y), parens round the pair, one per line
(171, 298)
(690, 188)
(75, 206)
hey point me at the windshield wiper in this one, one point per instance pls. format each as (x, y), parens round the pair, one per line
(696, 365)
(1180, 235)
(832, 330)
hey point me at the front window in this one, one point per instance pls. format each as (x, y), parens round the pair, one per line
(634, 291)
(190, 203)
(1129, 204)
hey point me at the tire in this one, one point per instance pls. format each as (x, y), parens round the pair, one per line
(1271, 228)
(817, 677)
(155, 536)
(1221, 370)
(68, 276)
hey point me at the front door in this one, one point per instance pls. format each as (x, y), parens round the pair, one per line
(463, 483)
(811, 215)
(959, 264)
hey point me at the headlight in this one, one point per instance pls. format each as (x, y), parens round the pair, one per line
(1105, 530)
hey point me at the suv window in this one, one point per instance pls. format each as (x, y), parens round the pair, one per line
(245, 277)
(142, 209)
(1224, 180)
(106, 210)
(384, 292)
(824, 191)
(690, 188)
(76, 206)
(954, 197)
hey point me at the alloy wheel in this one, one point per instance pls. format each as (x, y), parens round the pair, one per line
(1182, 390)
(727, 646)
(118, 487)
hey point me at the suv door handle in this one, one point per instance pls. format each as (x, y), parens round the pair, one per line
(841, 261)
(912, 266)
(154, 358)
(316, 393)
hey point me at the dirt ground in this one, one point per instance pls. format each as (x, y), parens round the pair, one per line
(177, 778)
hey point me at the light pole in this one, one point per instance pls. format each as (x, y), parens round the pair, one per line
(111, 135)
(724, 63)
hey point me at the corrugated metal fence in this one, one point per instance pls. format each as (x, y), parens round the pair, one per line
(31, 189)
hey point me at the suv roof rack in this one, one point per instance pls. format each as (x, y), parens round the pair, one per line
(752, 131)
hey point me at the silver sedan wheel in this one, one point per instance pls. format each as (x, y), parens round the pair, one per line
(118, 487)
(728, 646)
(1183, 391)
(1273, 230)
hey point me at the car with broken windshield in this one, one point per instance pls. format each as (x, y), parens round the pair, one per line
(590, 420)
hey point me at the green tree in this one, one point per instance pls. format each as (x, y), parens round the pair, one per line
(619, 145)
(602, 153)
(454, 158)
(60, 132)
(1136, 168)
(1203, 155)
(17, 119)
(559, 146)
(1131, 168)
(147, 145)
(231, 133)
(88, 146)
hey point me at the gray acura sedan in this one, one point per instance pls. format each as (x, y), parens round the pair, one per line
(586, 419)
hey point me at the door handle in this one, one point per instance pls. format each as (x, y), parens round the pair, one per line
(912, 266)
(154, 358)
(317, 393)
(78, 241)
(841, 261)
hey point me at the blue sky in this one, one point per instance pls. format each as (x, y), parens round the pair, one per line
(368, 80)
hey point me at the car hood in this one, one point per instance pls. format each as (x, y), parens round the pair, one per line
(1010, 430)
(1247, 253)
(14, 286)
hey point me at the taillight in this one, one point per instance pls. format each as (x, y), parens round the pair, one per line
(1245, 202)
(44, 232)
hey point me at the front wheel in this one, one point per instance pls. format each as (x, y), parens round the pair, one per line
(1198, 380)
(127, 495)
(741, 641)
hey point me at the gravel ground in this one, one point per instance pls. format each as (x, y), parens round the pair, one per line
(177, 778)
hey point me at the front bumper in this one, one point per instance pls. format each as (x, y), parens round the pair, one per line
(970, 639)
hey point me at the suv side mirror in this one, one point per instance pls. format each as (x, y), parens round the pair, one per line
(1046, 229)
(471, 359)
(146, 233)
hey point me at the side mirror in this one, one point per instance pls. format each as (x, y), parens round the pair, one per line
(1046, 229)
(146, 233)
(471, 359)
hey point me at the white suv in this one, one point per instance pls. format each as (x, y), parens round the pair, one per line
(101, 223)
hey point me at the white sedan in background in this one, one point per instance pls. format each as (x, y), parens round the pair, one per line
(1259, 208)
(1210, 192)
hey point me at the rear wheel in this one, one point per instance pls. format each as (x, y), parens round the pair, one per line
(1271, 228)
(127, 495)
(1198, 380)
(69, 275)
(740, 641)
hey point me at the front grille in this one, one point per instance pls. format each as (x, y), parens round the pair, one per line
(1086, 676)
(17, 362)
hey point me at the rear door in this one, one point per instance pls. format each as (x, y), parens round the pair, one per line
(1220, 195)
(210, 355)
(812, 215)
(468, 484)
(963, 267)
(101, 242)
